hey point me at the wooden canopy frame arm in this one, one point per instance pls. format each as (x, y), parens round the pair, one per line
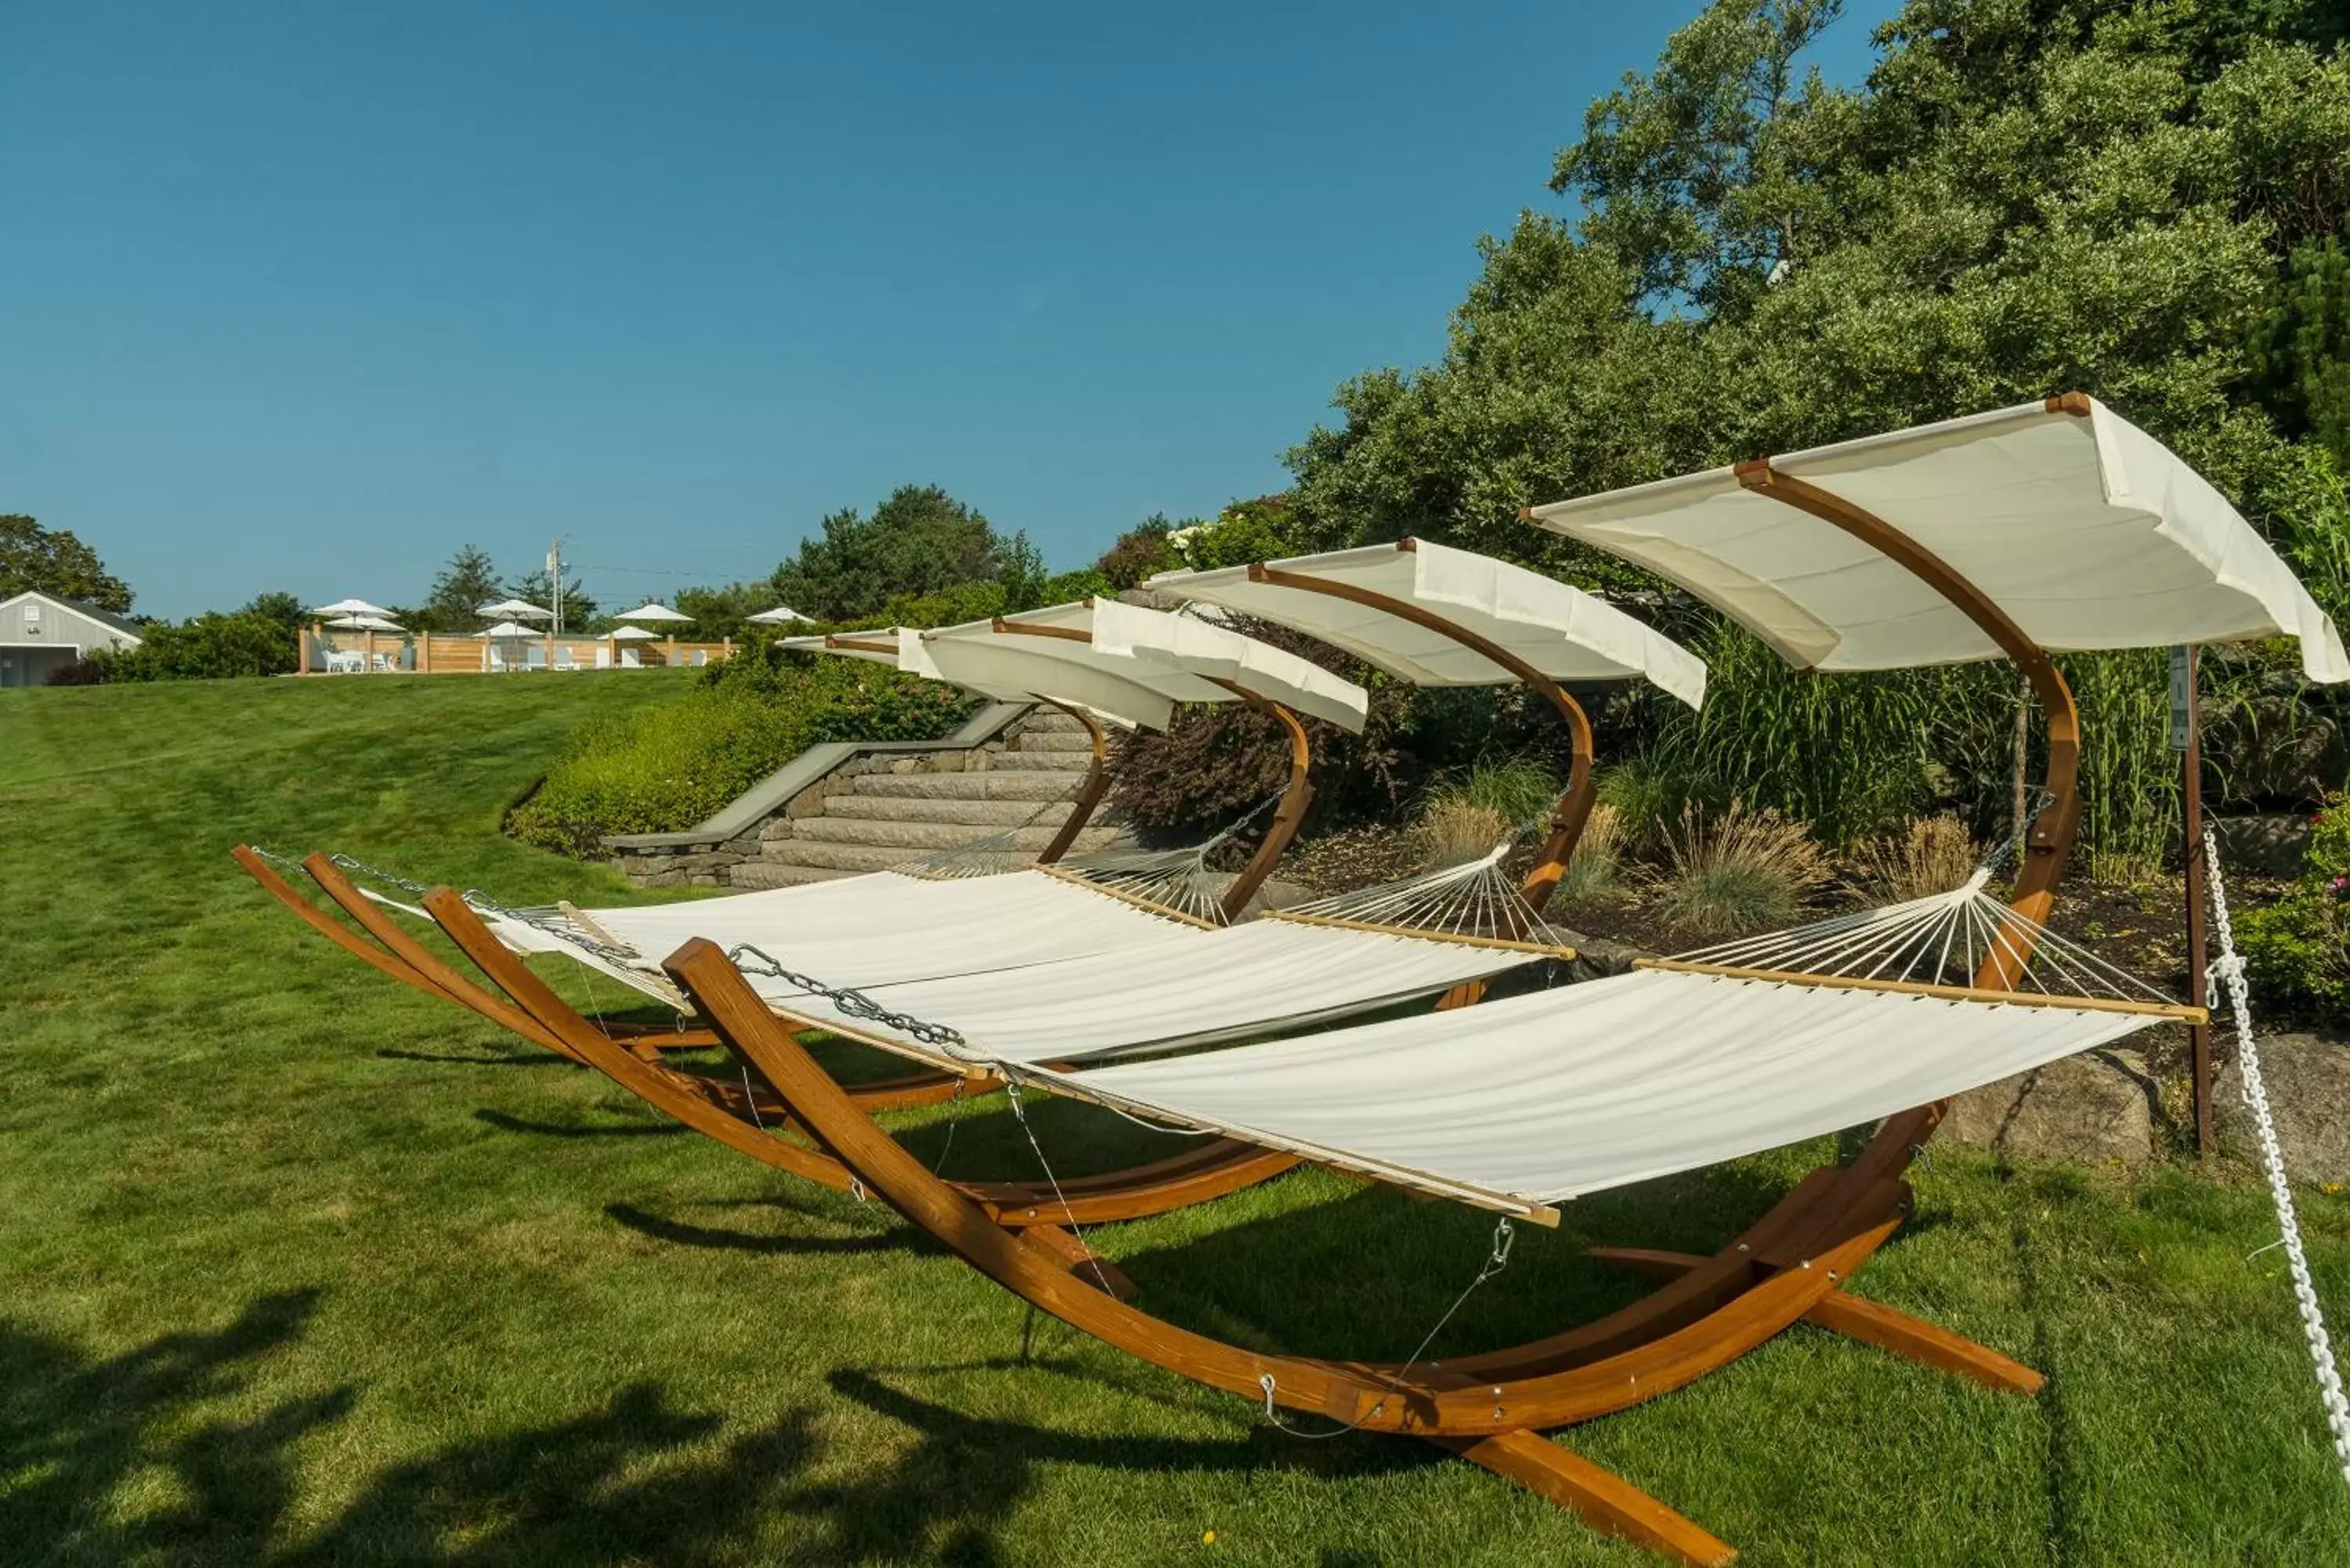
(1296, 799)
(1089, 794)
(1574, 807)
(1297, 796)
(2049, 842)
(1489, 1408)
(737, 1119)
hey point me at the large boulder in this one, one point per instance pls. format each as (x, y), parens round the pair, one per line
(2093, 1107)
(2308, 1078)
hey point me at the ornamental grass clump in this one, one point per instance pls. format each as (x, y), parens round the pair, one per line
(1465, 821)
(1596, 869)
(1933, 855)
(1739, 871)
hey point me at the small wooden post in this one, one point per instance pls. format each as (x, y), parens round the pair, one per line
(2187, 738)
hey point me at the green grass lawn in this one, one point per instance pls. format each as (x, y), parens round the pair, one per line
(297, 1266)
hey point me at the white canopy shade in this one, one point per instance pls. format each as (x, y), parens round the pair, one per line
(1015, 678)
(1562, 631)
(1179, 655)
(351, 606)
(515, 609)
(508, 629)
(365, 623)
(651, 611)
(631, 634)
(2088, 534)
(782, 615)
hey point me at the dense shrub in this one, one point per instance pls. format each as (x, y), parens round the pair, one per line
(210, 646)
(80, 672)
(663, 769)
(1139, 553)
(1213, 762)
(2298, 949)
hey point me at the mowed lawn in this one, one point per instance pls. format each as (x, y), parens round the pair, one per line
(299, 1266)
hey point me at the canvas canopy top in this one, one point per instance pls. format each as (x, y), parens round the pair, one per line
(1180, 654)
(2086, 532)
(1561, 631)
(1021, 678)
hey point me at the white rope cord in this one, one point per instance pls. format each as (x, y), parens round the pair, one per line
(2228, 970)
(1475, 898)
(1942, 939)
(1177, 878)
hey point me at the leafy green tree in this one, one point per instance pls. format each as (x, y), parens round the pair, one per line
(282, 608)
(2302, 347)
(1140, 553)
(52, 561)
(919, 541)
(2027, 196)
(209, 648)
(468, 581)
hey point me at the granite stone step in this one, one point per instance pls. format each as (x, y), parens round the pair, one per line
(916, 835)
(777, 874)
(1032, 762)
(1029, 784)
(979, 813)
(1076, 742)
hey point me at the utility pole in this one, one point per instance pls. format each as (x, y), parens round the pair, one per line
(554, 580)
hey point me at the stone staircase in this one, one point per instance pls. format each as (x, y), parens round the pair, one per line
(881, 811)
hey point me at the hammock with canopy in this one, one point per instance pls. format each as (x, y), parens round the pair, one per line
(2053, 526)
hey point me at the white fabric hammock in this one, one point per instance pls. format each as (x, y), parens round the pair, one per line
(861, 931)
(1518, 1104)
(1228, 984)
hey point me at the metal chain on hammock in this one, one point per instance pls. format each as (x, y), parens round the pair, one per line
(1496, 1259)
(2227, 968)
(846, 1000)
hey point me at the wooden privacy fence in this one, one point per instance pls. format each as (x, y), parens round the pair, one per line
(368, 653)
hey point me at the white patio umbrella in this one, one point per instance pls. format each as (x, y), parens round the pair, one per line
(507, 628)
(651, 611)
(782, 615)
(365, 623)
(351, 606)
(515, 609)
(632, 633)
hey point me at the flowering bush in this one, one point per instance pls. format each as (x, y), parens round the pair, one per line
(2298, 949)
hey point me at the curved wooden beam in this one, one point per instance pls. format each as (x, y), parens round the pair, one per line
(1296, 799)
(1089, 794)
(1194, 1176)
(440, 977)
(2050, 840)
(1486, 1408)
(1574, 808)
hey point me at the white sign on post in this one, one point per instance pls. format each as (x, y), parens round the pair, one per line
(2180, 693)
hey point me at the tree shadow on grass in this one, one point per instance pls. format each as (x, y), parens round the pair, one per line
(685, 1233)
(944, 1498)
(508, 1059)
(130, 1458)
(504, 1122)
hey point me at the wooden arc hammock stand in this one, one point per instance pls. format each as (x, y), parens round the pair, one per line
(1492, 1408)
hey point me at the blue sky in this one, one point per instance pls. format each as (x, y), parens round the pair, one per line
(305, 298)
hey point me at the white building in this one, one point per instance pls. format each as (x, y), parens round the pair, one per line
(41, 632)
